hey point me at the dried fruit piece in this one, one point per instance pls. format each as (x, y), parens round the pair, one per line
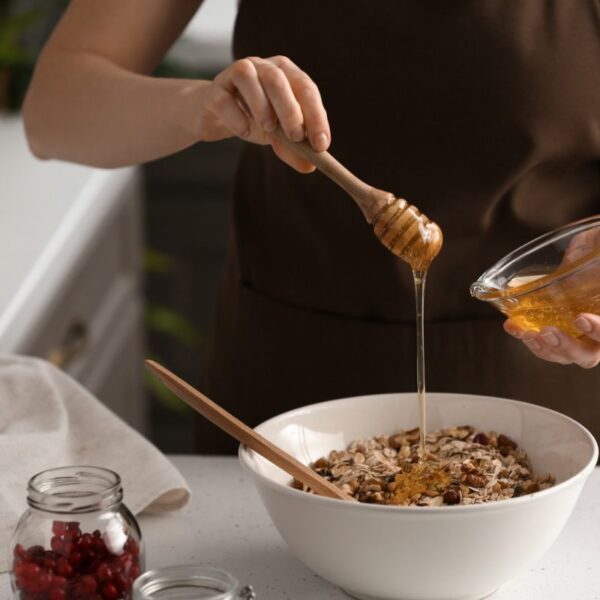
(504, 440)
(482, 439)
(452, 497)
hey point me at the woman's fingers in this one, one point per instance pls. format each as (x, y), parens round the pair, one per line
(308, 96)
(226, 108)
(279, 92)
(253, 95)
(538, 346)
(563, 348)
(589, 325)
(581, 245)
(241, 77)
(555, 345)
(291, 158)
(296, 100)
(513, 329)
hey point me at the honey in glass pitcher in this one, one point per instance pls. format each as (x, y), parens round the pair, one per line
(550, 280)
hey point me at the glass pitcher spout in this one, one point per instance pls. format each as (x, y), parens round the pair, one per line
(480, 290)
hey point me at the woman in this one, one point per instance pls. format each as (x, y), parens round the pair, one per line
(486, 115)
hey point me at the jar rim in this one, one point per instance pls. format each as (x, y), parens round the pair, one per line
(225, 585)
(74, 489)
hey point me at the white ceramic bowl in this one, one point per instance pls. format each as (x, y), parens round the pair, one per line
(417, 553)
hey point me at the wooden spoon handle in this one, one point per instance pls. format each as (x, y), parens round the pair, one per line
(328, 165)
(245, 435)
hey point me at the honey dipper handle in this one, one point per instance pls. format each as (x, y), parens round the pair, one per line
(329, 166)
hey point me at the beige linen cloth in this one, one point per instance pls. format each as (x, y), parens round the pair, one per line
(48, 420)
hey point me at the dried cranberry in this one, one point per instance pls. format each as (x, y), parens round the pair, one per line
(49, 564)
(482, 439)
(36, 551)
(122, 583)
(104, 572)
(88, 583)
(58, 582)
(124, 562)
(31, 570)
(134, 572)
(59, 527)
(451, 497)
(132, 547)
(57, 594)
(75, 559)
(109, 592)
(85, 542)
(63, 567)
(100, 546)
(19, 567)
(91, 560)
(57, 544)
(41, 582)
(504, 440)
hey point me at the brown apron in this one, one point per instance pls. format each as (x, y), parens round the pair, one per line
(486, 115)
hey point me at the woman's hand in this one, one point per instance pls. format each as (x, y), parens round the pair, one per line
(93, 99)
(254, 95)
(555, 345)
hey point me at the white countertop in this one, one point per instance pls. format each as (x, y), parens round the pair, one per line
(48, 210)
(226, 526)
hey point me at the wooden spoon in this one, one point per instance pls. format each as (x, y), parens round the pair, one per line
(399, 226)
(243, 434)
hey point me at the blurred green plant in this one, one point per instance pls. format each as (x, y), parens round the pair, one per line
(23, 31)
(161, 319)
(12, 27)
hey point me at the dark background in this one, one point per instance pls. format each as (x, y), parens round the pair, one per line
(188, 198)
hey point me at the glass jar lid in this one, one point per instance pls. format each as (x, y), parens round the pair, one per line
(190, 582)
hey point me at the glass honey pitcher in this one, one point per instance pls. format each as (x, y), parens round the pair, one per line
(548, 281)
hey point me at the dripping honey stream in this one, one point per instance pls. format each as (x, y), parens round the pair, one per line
(400, 227)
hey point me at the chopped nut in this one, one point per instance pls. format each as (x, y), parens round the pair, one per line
(358, 458)
(322, 463)
(475, 480)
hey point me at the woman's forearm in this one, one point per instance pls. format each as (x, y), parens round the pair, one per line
(81, 107)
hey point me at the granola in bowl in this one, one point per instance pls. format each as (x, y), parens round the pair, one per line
(461, 466)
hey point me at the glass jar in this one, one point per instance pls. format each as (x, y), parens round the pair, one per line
(190, 582)
(77, 540)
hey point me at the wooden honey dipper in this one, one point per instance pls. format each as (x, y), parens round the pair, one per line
(399, 226)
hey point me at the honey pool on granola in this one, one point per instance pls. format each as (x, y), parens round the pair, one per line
(461, 466)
